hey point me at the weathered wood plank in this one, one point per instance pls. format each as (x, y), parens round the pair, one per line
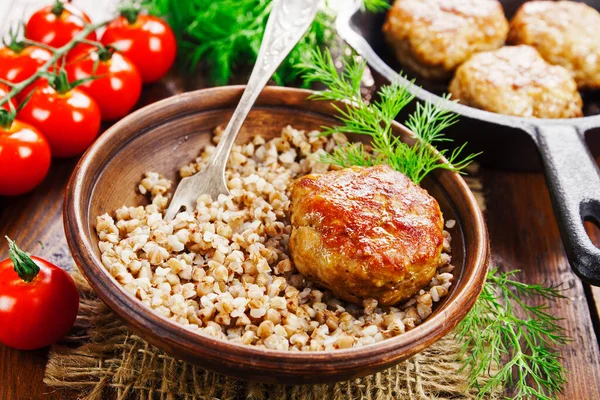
(35, 222)
(524, 236)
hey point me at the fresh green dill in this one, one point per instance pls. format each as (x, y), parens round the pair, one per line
(503, 333)
(225, 35)
(376, 6)
(358, 117)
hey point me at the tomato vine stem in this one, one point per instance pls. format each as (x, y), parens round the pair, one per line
(57, 55)
(94, 43)
(30, 42)
(7, 83)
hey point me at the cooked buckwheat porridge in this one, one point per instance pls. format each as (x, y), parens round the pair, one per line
(225, 271)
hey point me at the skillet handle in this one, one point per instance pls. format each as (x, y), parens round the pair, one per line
(574, 183)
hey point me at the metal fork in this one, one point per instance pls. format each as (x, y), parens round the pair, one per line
(288, 22)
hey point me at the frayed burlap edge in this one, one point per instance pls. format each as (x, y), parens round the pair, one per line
(114, 362)
(106, 360)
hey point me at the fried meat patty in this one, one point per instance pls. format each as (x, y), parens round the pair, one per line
(516, 80)
(433, 37)
(365, 232)
(565, 33)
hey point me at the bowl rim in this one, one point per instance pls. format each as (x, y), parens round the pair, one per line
(435, 326)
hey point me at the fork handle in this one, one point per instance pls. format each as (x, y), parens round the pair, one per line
(287, 23)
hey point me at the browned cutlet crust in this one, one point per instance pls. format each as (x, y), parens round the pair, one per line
(565, 33)
(365, 232)
(515, 80)
(433, 37)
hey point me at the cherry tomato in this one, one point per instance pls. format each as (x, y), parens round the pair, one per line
(24, 160)
(16, 66)
(57, 24)
(119, 86)
(148, 42)
(70, 121)
(38, 301)
(4, 90)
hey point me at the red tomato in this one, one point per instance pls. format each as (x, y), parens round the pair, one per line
(38, 313)
(57, 24)
(24, 160)
(119, 86)
(148, 42)
(4, 90)
(70, 121)
(17, 66)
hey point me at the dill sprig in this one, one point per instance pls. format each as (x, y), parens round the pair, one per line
(376, 6)
(226, 34)
(504, 333)
(359, 117)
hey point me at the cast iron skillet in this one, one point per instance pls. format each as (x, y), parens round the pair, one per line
(571, 172)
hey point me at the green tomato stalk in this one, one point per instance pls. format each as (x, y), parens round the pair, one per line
(25, 267)
(57, 8)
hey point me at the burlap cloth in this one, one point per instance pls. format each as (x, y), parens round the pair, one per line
(102, 359)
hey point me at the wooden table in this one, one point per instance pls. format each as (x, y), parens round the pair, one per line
(522, 228)
(523, 232)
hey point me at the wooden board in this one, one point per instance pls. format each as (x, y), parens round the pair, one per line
(524, 236)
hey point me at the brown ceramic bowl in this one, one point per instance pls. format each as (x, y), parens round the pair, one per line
(170, 133)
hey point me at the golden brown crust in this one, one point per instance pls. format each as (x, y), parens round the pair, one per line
(565, 33)
(515, 80)
(365, 233)
(433, 37)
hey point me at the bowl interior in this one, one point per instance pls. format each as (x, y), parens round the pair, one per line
(370, 25)
(171, 133)
(172, 143)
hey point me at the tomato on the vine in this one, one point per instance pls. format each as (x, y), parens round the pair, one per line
(24, 158)
(18, 64)
(38, 301)
(119, 85)
(146, 40)
(57, 24)
(24, 152)
(68, 117)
